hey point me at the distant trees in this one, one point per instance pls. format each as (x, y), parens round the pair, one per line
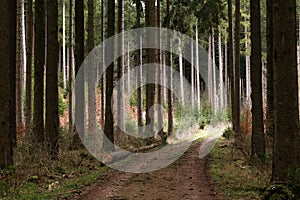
(7, 81)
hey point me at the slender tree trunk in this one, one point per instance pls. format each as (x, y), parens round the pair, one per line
(214, 71)
(169, 64)
(181, 72)
(29, 52)
(39, 64)
(209, 72)
(120, 99)
(8, 83)
(79, 84)
(226, 95)
(192, 76)
(150, 58)
(248, 82)
(128, 69)
(159, 88)
(92, 69)
(221, 72)
(258, 151)
(231, 64)
(20, 62)
(70, 66)
(237, 66)
(139, 58)
(64, 75)
(109, 50)
(270, 72)
(102, 78)
(198, 69)
(52, 114)
(286, 117)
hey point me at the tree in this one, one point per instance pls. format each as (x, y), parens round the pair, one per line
(139, 58)
(159, 88)
(79, 84)
(91, 70)
(29, 52)
(150, 58)
(8, 84)
(237, 66)
(63, 60)
(258, 152)
(286, 116)
(230, 63)
(197, 68)
(20, 62)
(39, 64)
(109, 50)
(270, 90)
(52, 114)
(102, 82)
(70, 66)
(169, 64)
(120, 99)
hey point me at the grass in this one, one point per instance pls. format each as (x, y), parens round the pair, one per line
(234, 177)
(36, 177)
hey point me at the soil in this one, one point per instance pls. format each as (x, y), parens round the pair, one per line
(187, 178)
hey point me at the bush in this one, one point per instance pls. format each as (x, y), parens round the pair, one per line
(228, 133)
(294, 182)
(278, 192)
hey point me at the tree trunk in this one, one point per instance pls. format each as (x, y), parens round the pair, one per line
(181, 72)
(79, 84)
(102, 78)
(8, 83)
(258, 151)
(169, 64)
(214, 72)
(230, 64)
(221, 73)
(120, 99)
(52, 114)
(70, 66)
(198, 69)
(270, 90)
(64, 76)
(248, 82)
(209, 72)
(91, 70)
(29, 52)
(39, 64)
(20, 62)
(286, 117)
(237, 66)
(109, 50)
(192, 76)
(150, 58)
(159, 88)
(139, 58)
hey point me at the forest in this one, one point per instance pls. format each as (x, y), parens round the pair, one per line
(150, 99)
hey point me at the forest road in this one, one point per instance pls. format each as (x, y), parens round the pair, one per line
(187, 178)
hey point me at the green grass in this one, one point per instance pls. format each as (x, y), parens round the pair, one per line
(234, 177)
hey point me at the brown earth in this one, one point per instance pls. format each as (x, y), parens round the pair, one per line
(187, 178)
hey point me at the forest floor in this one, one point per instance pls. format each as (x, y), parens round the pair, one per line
(187, 178)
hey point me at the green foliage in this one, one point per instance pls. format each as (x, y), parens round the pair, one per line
(228, 133)
(278, 192)
(62, 105)
(294, 181)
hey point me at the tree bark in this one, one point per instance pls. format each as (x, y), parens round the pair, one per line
(79, 84)
(91, 70)
(71, 66)
(258, 151)
(39, 64)
(159, 88)
(270, 90)
(286, 116)
(109, 50)
(52, 114)
(29, 52)
(20, 62)
(198, 69)
(8, 83)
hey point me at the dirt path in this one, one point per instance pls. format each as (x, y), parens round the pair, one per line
(186, 178)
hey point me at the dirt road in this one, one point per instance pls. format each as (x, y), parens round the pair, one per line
(186, 178)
